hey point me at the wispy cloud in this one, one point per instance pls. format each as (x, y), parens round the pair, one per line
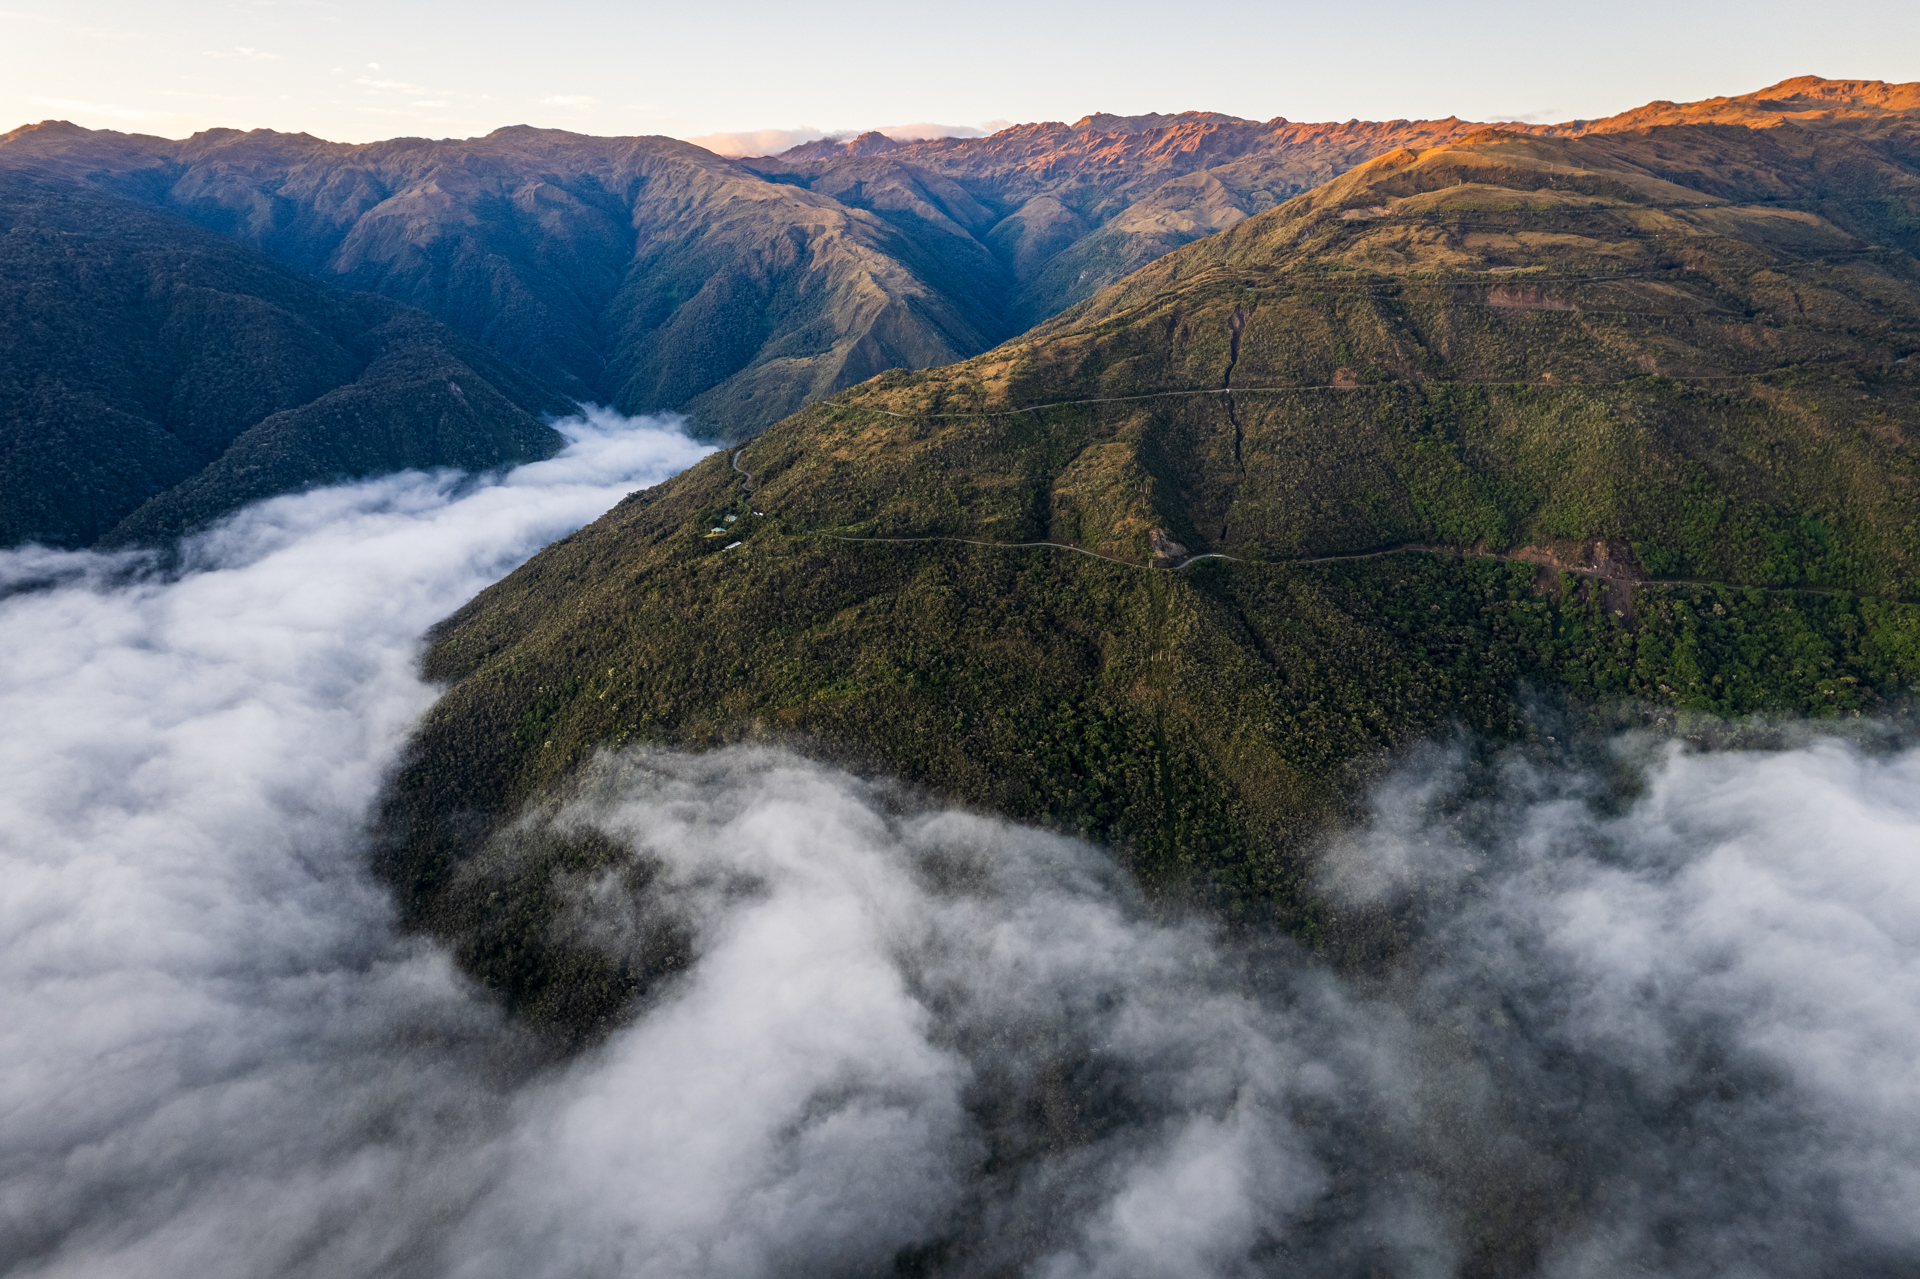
(572, 101)
(925, 130)
(1540, 115)
(756, 141)
(395, 86)
(94, 108)
(204, 97)
(244, 51)
(69, 28)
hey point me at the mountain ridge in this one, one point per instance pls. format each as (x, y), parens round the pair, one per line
(648, 273)
(652, 275)
(1099, 205)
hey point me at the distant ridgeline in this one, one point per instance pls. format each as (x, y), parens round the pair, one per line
(1625, 417)
(644, 273)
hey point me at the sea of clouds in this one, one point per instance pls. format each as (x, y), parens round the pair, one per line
(1656, 1011)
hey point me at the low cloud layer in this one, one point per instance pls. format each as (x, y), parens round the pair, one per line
(219, 1058)
(1651, 1010)
(756, 142)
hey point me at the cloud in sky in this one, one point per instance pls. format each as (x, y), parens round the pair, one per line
(214, 998)
(108, 109)
(757, 141)
(80, 30)
(401, 86)
(922, 130)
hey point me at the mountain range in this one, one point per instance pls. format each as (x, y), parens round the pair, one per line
(643, 273)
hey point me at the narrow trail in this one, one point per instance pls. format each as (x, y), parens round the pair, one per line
(1625, 585)
(1009, 546)
(1281, 390)
(1628, 584)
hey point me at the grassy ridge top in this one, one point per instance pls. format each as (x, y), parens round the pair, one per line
(1574, 362)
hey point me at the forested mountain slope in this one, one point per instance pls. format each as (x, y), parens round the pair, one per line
(154, 375)
(1627, 417)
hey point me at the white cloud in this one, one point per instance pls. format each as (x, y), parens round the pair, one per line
(1711, 992)
(183, 902)
(95, 108)
(69, 28)
(574, 101)
(401, 86)
(204, 97)
(241, 51)
(754, 142)
(923, 130)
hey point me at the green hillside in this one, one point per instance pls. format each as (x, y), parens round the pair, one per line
(1625, 419)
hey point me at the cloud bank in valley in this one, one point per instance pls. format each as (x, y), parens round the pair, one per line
(218, 1055)
(1672, 1025)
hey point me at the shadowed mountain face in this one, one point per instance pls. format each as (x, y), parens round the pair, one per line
(1624, 416)
(154, 375)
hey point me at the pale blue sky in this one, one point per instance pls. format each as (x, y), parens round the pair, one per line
(359, 69)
